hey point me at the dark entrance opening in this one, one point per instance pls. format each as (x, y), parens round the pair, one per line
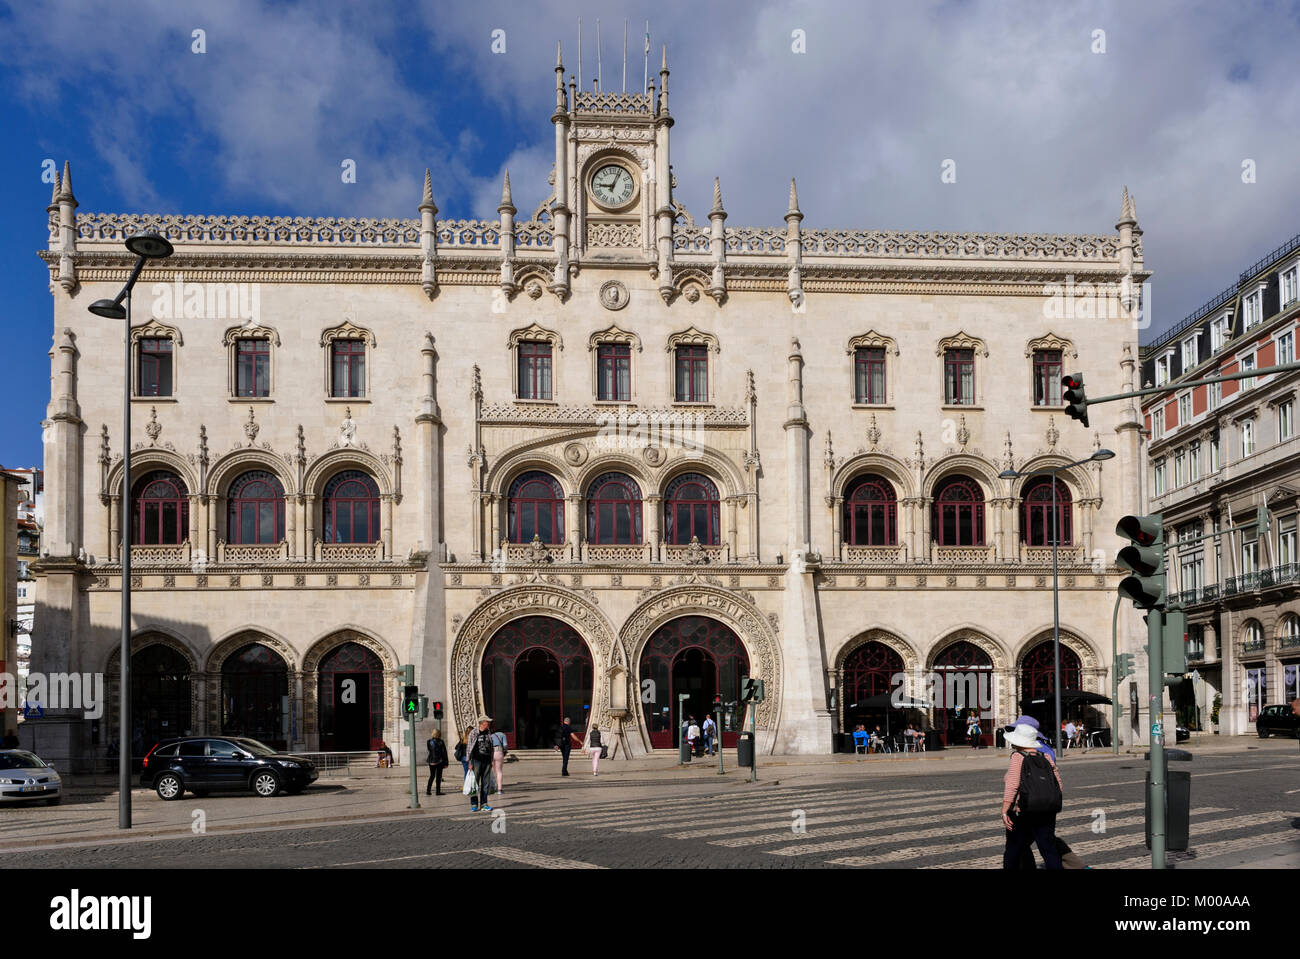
(160, 695)
(696, 656)
(254, 692)
(694, 673)
(963, 685)
(350, 717)
(536, 671)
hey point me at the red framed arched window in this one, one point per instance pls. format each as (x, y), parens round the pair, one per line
(255, 513)
(1036, 513)
(869, 671)
(536, 671)
(692, 508)
(614, 510)
(692, 656)
(161, 510)
(1037, 671)
(350, 660)
(535, 507)
(254, 685)
(351, 508)
(963, 686)
(958, 513)
(870, 512)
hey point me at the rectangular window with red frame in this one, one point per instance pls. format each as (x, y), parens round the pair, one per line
(614, 372)
(959, 377)
(253, 367)
(154, 377)
(692, 374)
(1047, 377)
(348, 368)
(534, 370)
(869, 375)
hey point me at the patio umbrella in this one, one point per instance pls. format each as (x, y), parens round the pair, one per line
(1077, 696)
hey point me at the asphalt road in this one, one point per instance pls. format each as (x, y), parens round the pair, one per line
(1245, 811)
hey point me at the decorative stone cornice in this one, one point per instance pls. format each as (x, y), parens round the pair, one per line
(155, 329)
(347, 330)
(872, 339)
(614, 334)
(249, 332)
(1051, 341)
(962, 341)
(693, 337)
(532, 332)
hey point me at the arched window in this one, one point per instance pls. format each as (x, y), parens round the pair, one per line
(535, 507)
(161, 510)
(1252, 638)
(958, 513)
(691, 508)
(870, 512)
(256, 510)
(351, 508)
(614, 510)
(1036, 513)
(254, 685)
(1288, 631)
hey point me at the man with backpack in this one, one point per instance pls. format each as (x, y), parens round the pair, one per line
(480, 751)
(1031, 798)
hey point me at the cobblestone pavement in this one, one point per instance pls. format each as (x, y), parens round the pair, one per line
(817, 814)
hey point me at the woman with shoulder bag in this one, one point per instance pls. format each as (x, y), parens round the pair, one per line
(595, 748)
(499, 751)
(462, 747)
(437, 761)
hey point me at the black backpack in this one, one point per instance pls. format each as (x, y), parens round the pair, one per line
(1039, 790)
(483, 747)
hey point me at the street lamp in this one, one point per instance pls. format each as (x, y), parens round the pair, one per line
(146, 246)
(1010, 474)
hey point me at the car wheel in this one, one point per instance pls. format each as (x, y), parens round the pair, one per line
(169, 786)
(54, 800)
(1263, 733)
(266, 783)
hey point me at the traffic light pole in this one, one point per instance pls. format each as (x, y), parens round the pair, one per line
(717, 713)
(1183, 384)
(753, 737)
(415, 783)
(1114, 677)
(1155, 707)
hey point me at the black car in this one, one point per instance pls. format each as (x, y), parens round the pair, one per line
(203, 765)
(1277, 719)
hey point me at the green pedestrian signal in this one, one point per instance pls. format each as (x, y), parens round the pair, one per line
(411, 701)
(1145, 559)
(1076, 401)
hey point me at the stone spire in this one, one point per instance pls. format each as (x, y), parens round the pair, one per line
(663, 82)
(67, 231)
(428, 238)
(54, 197)
(561, 105)
(65, 189)
(794, 202)
(507, 211)
(794, 248)
(718, 244)
(1127, 214)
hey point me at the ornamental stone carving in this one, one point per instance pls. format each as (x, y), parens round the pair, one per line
(575, 454)
(614, 295)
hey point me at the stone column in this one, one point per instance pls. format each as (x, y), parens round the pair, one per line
(493, 501)
(291, 525)
(654, 524)
(114, 533)
(799, 532)
(310, 542)
(573, 520)
(733, 507)
(386, 514)
(837, 525)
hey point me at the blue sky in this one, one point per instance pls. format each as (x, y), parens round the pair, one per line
(1044, 130)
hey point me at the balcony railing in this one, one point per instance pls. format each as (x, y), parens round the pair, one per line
(1262, 579)
(1289, 641)
(1253, 645)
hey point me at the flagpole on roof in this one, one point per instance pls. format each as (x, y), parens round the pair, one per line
(580, 81)
(645, 79)
(625, 56)
(599, 75)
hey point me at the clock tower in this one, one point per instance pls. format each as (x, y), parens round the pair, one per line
(613, 185)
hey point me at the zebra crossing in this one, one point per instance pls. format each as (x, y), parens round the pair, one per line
(909, 826)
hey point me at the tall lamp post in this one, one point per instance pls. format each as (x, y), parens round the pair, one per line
(146, 246)
(1096, 457)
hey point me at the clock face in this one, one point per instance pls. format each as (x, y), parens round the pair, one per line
(612, 185)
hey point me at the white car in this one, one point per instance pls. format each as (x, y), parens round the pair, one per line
(25, 776)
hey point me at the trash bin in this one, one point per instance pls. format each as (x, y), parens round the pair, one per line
(745, 750)
(684, 753)
(933, 741)
(999, 737)
(1178, 803)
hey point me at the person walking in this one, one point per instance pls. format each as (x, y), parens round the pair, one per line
(595, 748)
(480, 749)
(709, 729)
(437, 761)
(1031, 798)
(565, 740)
(499, 751)
(462, 753)
(973, 729)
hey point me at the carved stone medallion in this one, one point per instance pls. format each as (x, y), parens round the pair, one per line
(613, 295)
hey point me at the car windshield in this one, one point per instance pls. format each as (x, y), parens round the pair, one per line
(256, 748)
(17, 760)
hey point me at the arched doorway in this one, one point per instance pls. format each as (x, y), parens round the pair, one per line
(160, 696)
(255, 695)
(350, 699)
(1037, 686)
(868, 674)
(536, 671)
(963, 681)
(693, 656)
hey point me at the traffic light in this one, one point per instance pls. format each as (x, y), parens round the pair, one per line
(1076, 401)
(424, 708)
(437, 709)
(1173, 642)
(410, 701)
(406, 675)
(751, 690)
(1124, 667)
(1145, 558)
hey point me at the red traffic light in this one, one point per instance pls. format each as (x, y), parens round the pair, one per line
(1072, 381)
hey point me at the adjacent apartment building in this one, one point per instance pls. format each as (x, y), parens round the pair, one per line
(1218, 452)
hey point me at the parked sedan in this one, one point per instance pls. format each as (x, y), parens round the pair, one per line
(25, 776)
(204, 765)
(1277, 719)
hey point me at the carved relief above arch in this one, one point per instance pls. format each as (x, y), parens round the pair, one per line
(346, 457)
(347, 330)
(534, 332)
(969, 464)
(691, 282)
(228, 467)
(240, 638)
(872, 339)
(962, 341)
(737, 613)
(1050, 341)
(1077, 478)
(533, 279)
(533, 455)
(694, 337)
(515, 602)
(977, 638)
(156, 329)
(142, 639)
(878, 634)
(614, 334)
(144, 460)
(888, 466)
(1089, 658)
(325, 644)
(250, 332)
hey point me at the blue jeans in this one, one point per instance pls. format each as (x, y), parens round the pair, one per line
(708, 743)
